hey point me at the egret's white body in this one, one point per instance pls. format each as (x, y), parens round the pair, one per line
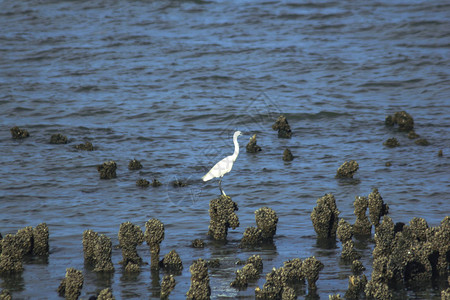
(225, 165)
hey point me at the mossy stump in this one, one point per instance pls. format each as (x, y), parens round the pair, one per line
(362, 225)
(40, 240)
(167, 286)
(11, 255)
(222, 216)
(311, 268)
(143, 183)
(171, 263)
(154, 235)
(199, 289)
(71, 285)
(198, 243)
(377, 207)
(130, 236)
(391, 142)
(325, 217)
(356, 285)
(266, 221)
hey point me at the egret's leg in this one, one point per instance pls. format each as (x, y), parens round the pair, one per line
(220, 187)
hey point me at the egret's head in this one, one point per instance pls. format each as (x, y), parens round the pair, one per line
(237, 133)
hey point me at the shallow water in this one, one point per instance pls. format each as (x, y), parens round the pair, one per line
(168, 82)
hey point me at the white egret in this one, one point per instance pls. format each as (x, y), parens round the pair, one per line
(225, 165)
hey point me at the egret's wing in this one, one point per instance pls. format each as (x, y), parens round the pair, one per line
(221, 168)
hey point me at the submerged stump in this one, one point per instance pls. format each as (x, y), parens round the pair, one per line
(266, 221)
(282, 125)
(107, 170)
(87, 146)
(134, 164)
(377, 207)
(287, 155)
(18, 133)
(404, 121)
(58, 138)
(167, 286)
(223, 216)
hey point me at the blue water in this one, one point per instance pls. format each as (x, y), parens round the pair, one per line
(168, 82)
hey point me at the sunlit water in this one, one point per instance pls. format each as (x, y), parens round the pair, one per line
(168, 83)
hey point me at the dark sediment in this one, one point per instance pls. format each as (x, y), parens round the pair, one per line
(199, 288)
(167, 286)
(156, 183)
(154, 235)
(251, 146)
(404, 121)
(377, 208)
(266, 221)
(18, 133)
(58, 138)
(284, 130)
(87, 146)
(71, 285)
(356, 285)
(198, 243)
(134, 164)
(107, 170)
(106, 294)
(422, 142)
(172, 263)
(347, 169)
(325, 217)
(287, 155)
(130, 236)
(222, 216)
(391, 142)
(142, 183)
(362, 224)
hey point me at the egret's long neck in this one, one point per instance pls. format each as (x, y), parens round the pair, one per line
(236, 148)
